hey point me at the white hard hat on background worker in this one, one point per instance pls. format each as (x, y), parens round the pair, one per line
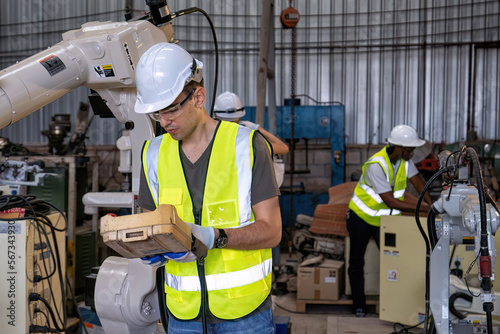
(228, 107)
(160, 81)
(406, 136)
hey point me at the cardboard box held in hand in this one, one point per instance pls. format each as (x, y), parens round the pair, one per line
(146, 234)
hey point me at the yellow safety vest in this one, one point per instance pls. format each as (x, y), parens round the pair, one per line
(236, 281)
(367, 204)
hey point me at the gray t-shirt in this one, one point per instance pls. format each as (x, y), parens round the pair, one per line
(375, 176)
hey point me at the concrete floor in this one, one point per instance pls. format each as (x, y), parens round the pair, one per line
(329, 319)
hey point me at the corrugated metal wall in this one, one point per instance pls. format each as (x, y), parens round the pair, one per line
(432, 64)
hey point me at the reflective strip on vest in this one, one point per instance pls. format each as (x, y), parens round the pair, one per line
(382, 161)
(221, 281)
(382, 212)
(244, 172)
(376, 197)
(400, 193)
(153, 151)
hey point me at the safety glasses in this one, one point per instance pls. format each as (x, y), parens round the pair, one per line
(171, 112)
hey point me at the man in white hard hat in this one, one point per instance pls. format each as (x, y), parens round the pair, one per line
(380, 191)
(219, 177)
(228, 107)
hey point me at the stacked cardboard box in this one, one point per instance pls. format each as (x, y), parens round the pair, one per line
(320, 281)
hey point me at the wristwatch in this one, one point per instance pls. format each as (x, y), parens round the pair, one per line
(221, 241)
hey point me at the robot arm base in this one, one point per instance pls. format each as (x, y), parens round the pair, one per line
(125, 297)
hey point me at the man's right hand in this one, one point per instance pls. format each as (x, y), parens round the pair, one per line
(157, 260)
(182, 257)
(160, 260)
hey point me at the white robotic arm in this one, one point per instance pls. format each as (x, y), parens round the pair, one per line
(126, 297)
(101, 56)
(464, 220)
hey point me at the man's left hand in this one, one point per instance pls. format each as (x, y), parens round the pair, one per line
(205, 235)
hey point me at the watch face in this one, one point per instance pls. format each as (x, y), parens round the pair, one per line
(221, 242)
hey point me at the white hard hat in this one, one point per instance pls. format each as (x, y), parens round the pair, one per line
(406, 136)
(228, 107)
(162, 73)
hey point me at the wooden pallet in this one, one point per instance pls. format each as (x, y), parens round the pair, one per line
(301, 303)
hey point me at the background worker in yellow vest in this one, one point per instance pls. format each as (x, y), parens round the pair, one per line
(380, 191)
(228, 107)
(220, 178)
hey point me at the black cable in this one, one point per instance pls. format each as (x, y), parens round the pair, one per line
(40, 228)
(489, 322)
(49, 223)
(405, 329)
(454, 297)
(471, 153)
(471, 265)
(37, 310)
(450, 262)
(432, 328)
(160, 291)
(34, 297)
(212, 28)
(488, 307)
(431, 228)
(42, 329)
(60, 275)
(37, 208)
(455, 172)
(57, 264)
(14, 201)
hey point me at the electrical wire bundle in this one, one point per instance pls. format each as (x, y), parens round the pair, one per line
(47, 269)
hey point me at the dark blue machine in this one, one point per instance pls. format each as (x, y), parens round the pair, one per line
(310, 122)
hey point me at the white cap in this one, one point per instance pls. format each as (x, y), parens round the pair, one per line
(162, 73)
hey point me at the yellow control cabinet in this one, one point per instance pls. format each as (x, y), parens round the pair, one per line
(402, 268)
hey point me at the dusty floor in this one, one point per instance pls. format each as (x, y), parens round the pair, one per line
(328, 319)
